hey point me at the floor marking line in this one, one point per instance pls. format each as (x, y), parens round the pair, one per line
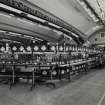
(102, 98)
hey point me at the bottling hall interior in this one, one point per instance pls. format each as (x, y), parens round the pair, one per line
(52, 52)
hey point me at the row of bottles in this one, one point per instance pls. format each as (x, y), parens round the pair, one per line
(51, 57)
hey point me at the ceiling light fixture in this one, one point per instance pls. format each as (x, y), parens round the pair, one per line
(10, 8)
(6, 40)
(2, 31)
(83, 4)
(54, 25)
(28, 36)
(42, 26)
(38, 39)
(13, 33)
(67, 36)
(75, 35)
(25, 21)
(31, 16)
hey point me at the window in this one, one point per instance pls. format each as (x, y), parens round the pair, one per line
(102, 34)
(95, 39)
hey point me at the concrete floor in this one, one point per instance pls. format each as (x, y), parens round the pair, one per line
(88, 89)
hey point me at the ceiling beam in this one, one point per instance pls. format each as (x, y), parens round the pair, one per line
(44, 24)
(94, 12)
(52, 15)
(39, 14)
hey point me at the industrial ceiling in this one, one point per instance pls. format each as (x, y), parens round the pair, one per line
(73, 19)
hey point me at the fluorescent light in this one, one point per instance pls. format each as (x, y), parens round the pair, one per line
(38, 39)
(67, 36)
(66, 30)
(25, 21)
(81, 3)
(54, 25)
(16, 42)
(89, 11)
(6, 40)
(2, 31)
(10, 8)
(42, 26)
(12, 15)
(28, 36)
(58, 32)
(74, 35)
(31, 16)
(13, 33)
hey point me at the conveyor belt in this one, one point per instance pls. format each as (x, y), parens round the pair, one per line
(46, 72)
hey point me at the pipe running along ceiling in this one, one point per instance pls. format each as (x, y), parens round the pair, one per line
(66, 30)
